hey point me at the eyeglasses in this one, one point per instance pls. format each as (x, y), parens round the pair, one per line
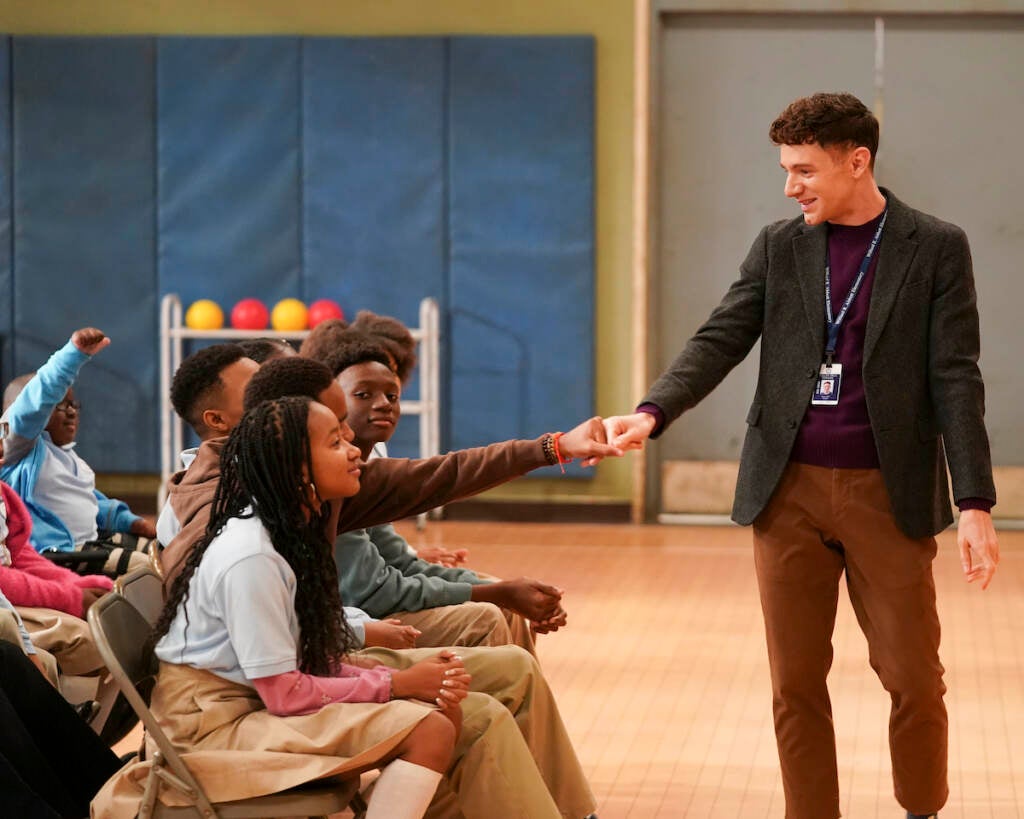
(68, 406)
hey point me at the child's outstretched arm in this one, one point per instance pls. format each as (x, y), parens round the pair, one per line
(30, 412)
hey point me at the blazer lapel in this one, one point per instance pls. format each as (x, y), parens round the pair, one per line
(895, 253)
(809, 257)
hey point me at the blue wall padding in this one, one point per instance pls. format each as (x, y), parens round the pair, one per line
(228, 156)
(521, 235)
(84, 244)
(373, 171)
(373, 163)
(373, 179)
(6, 233)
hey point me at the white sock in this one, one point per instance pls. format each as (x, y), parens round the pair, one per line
(402, 791)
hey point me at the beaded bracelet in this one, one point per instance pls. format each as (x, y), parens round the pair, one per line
(547, 444)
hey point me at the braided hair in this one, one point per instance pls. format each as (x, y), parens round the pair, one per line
(266, 464)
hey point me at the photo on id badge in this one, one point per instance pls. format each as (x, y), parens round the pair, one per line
(826, 390)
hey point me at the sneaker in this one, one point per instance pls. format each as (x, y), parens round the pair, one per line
(922, 815)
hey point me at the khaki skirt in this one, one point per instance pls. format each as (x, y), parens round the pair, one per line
(237, 749)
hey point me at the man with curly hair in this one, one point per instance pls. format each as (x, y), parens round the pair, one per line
(868, 389)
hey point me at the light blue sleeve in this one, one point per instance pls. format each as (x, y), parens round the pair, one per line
(26, 641)
(31, 410)
(113, 515)
(357, 620)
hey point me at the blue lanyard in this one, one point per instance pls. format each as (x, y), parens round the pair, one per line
(834, 324)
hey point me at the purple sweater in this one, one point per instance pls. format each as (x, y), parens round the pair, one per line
(840, 437)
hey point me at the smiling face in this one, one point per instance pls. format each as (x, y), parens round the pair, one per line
(825, 182)
(335, 460)
(373, 393)
(63, 423)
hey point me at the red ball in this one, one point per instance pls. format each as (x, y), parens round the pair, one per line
(322, 310)
(250, 314)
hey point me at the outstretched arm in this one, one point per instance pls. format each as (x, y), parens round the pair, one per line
(30, 412)
(393, 488)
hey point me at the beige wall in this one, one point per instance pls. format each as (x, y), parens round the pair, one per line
(609, 21)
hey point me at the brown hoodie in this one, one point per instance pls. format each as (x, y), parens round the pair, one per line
(389, 488)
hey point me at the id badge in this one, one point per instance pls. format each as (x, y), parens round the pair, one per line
(826, 391)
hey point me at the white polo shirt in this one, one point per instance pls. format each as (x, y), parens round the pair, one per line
(241, 609)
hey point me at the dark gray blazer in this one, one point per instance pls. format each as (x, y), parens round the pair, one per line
(921, 376)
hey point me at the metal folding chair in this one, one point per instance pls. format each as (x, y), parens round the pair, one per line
(121, 633)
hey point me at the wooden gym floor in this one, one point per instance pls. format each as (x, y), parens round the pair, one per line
(662, 676)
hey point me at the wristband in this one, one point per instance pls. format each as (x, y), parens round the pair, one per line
(558, 453)
(547, 444)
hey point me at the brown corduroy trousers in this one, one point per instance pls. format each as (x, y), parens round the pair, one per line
(819, 523)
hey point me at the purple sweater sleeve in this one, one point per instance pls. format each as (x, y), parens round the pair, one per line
(659, 417)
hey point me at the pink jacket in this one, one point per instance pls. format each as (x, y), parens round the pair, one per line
(31, 579)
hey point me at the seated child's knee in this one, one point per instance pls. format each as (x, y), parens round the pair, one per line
(516, 662)
(438, 730)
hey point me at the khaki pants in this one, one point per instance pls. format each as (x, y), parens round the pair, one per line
(465, 624)
(548, 779)
(10, 633)
(519, 628)
(66, 637)
(819, 524)
(469, 624)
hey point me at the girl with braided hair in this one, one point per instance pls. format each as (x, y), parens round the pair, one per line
(252, 640)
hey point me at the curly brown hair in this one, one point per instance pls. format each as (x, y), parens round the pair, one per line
(396, 336)
(829, 119)
(323, 338)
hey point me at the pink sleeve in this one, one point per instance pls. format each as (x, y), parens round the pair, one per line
(24, 589)
(294, 693)
(27, 559)
(91, 581)
(31, 579)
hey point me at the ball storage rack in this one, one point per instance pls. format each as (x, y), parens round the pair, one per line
(174, 334)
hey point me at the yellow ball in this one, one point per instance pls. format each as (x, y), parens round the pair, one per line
(204, 315)
(288, 315)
